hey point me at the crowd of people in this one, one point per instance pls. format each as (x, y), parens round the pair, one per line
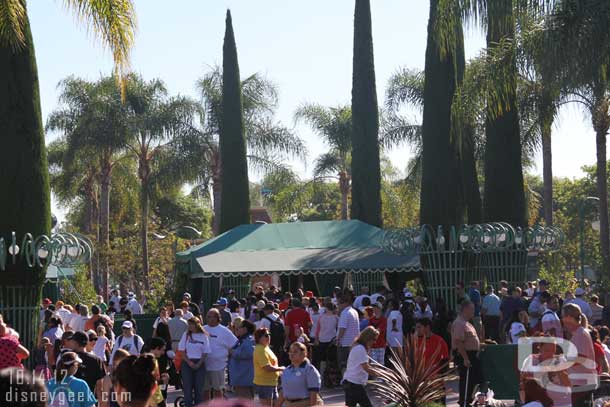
(282, 348)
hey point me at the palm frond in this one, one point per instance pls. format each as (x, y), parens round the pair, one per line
(13, 20)
(266, 137)
(396, 130)
(329, 163)
(113, 22)
(266, 164)
(405, 86)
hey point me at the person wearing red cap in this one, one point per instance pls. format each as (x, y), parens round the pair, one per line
(45, 304)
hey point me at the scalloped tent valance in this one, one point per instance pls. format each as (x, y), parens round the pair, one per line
(295, 248)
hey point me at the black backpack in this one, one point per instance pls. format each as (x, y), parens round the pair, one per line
(278, 335)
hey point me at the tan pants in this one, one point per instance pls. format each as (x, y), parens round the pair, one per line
(303, 403)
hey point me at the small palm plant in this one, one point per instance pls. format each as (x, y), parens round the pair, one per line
(412, 380)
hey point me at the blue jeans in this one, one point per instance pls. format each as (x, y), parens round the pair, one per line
(192, 381)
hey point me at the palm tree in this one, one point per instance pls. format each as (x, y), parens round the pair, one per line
(334, 125)
(366, 167)
(268, 142)
(24, 177)
(93, 120)
(154, 121)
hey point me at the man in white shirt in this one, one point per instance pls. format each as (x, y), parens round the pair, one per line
(128, 341)
(116, 298)
(364, 293)
(133, 305)
(222, 341)
(348, 330)
(64, 314)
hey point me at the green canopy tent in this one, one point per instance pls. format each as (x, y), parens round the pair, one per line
(318, 255)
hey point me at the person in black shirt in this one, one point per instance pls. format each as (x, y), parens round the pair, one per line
(92, 369)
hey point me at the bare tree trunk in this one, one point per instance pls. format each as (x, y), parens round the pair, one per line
(547, 172)
(601, 123)
(344, 188)
(144, 174)
(216, 193)
(105, 227)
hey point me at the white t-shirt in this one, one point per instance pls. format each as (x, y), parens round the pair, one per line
(517, 329)
(265, 323)
(395, 338)
(134, 306)
(221, 341)
(195, 345)
(351, 323)
(358, 300)
(187, 315)
(132, 344)
(77, 323)
(99, 349)
(64, 315)
(314, 321)
(354, 373)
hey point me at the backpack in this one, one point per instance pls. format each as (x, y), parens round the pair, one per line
(278, 335)
(61, 395)
(139, 342)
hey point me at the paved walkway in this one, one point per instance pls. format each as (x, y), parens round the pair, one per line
(335, 397)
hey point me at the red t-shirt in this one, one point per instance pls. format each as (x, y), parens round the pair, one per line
(296, 318)
(284, 305)
(599, 353)
(381, 324)
(8, 352)
(433, 343)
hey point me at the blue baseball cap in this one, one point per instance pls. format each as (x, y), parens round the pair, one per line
(222, 301)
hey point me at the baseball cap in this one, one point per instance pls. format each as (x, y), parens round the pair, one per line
(59, 304)
(543, 282)
(47, 301)
(186, 295)
(70, 358)
(579, 291)
(127, 324)
(260, 304)
(222, 301)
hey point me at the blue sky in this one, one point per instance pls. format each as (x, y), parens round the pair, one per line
(305, 47)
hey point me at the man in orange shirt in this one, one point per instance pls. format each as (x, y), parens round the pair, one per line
(435, 347)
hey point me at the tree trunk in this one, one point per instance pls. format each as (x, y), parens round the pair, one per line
(441, 201)
(601, 124)
(504, 199)
(25, 206)
(547, 171)
(105, 226)
(144, 175)
(216, 193)
(366, 168)
(235, 193)
(344, 189)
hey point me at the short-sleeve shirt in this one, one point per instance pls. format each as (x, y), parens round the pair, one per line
(462, 330)
(584, 345)
(263, 356)
(435, 348)
(91, 370)
(381, 325)
(297, 382)
(8, 352)
(350, 322)
(74, 392)
(395, 338)
(491, 304)
(354, 373)
(221, 340)
(296, 318)
(195, 346)
(551, 324)
(475, 297)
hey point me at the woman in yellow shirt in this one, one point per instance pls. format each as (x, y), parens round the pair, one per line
(266, 368)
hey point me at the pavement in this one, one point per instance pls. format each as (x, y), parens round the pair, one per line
(335, 398)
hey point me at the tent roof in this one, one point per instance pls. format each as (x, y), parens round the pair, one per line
(295, 248)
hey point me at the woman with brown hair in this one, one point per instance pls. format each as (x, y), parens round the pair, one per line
(195, 344)
(358, 369)
(301, 381)
(65, 389)
(135, 380)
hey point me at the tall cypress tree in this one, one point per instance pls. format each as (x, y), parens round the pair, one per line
(24, 177)
(235, 196)
(504, 198)
(441, 187)
(366, 172)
